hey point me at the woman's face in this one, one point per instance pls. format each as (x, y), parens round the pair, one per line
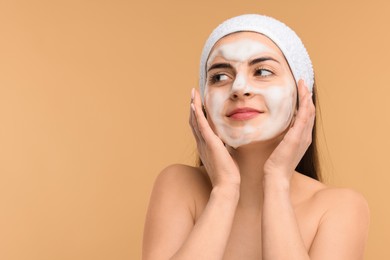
(250, 93)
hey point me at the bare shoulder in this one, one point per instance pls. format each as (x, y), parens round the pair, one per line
(172, 209)
(183, 177)
(185, 184)
(330, 197)
(342, 219)
(345, 206)
(331, 203)
(336, 197)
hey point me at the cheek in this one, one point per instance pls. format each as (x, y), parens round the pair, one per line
(287, 97)
(280, 102)
(210, 121)
(287, 103)
(214, 103)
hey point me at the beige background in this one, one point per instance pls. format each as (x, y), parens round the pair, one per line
(94, 102)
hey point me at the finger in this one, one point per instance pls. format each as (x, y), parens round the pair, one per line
(301, 93)
(312, 121)
(300, 133)
(193, 126)
(191, 116)
(192, 120)
(306, 114)
(312, 110)
(202, 123)
(301, 89)
(309, 110)
(303, 114)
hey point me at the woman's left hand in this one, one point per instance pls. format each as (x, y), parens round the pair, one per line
(285, 158)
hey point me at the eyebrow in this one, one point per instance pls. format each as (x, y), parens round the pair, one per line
(262, 59)
(220, 66)
(229, 66)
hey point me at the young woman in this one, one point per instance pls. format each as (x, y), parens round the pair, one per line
(257, 193)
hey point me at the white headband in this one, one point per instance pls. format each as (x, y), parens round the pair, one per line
(284, 37)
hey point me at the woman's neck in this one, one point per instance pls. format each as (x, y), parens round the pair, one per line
(250, 159)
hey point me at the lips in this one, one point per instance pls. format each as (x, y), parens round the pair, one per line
(244, 113)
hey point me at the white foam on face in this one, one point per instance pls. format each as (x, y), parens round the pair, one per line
(278, 100)
(239, 51)
(239, 83)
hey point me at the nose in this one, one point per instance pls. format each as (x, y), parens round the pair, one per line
(240, 89)
(240, 94)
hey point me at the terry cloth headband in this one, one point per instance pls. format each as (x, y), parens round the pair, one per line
(284, 37)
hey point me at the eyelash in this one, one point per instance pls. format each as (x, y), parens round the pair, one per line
(214, 77)
(264, 69)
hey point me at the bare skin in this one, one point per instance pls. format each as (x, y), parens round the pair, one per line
(249, 203)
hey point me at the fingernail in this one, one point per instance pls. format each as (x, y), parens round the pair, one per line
(310, 96)
(192, 94)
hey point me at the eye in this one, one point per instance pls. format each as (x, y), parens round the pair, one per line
(263, 72)
(218, 77)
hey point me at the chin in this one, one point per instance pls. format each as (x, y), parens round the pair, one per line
(242, 142)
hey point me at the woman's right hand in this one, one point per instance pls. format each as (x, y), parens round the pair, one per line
(220, 166)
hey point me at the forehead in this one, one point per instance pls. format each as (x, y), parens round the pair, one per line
(257, 38)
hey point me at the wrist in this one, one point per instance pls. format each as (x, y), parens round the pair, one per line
(230, 192)
(276, 182)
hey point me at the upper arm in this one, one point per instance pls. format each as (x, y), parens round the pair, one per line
(343, 230)
(170, 214)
